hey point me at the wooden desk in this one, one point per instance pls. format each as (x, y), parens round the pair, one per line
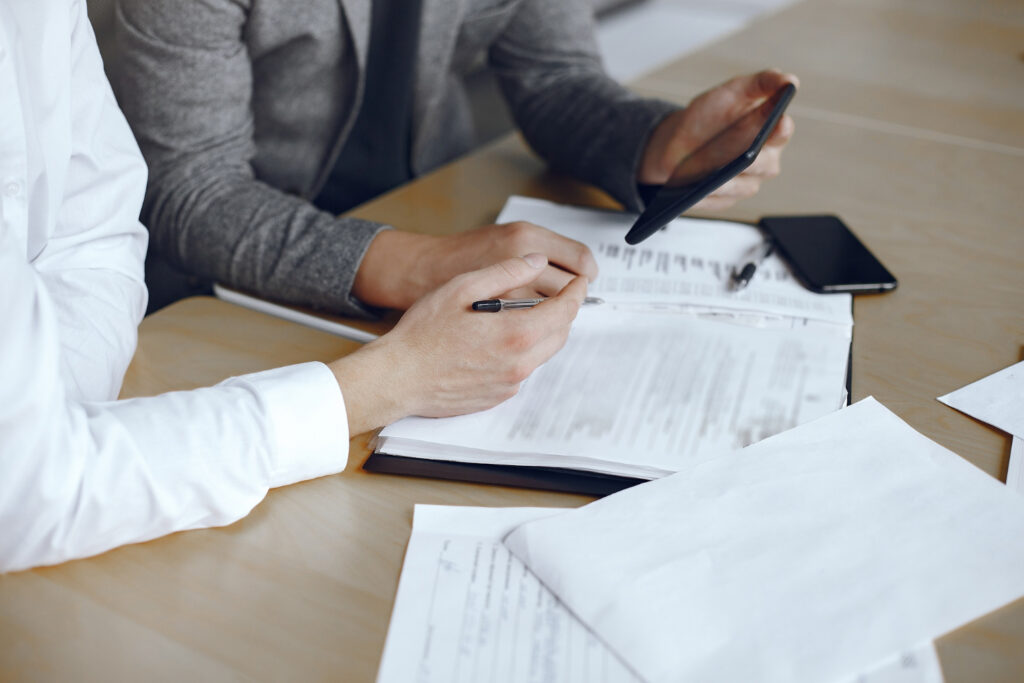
(910, 124)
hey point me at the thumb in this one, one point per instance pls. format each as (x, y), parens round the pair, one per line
(754, 87)
(504, 276)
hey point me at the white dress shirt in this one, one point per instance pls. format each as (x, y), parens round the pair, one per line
(81, 473)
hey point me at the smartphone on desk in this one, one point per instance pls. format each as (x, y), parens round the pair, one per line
(826, 256)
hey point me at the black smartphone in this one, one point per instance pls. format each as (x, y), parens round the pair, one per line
(725, 156)
(826, 256)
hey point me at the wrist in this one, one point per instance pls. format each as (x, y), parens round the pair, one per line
(396, 270)
(372, 383)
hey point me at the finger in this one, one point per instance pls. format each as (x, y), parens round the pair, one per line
(568, 254)
(782, 132)
(740, 187)
(575, 258)
(768, 164)
(714, 204)
(731, 142)
(725, 105)
(761, 84)
(562, 308)
(500, 277)
(552, 281)
(527, 292)
(723, 148)
(547, 347)
(736, 189)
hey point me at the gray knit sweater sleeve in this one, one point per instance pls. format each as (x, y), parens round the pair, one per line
(575, 116)
(205, 209)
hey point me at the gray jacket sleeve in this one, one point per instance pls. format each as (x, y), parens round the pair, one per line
(571, 112)
(205, 209)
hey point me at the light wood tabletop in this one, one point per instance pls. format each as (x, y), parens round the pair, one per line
(910, 125)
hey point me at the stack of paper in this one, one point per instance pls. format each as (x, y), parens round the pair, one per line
(675, 367)
(805, 557)
(468, 610)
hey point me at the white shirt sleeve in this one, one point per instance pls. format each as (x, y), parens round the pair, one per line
(98, 292)
(77, 479)
(80, 474)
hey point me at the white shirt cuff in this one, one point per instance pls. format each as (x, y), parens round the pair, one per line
(308, 422)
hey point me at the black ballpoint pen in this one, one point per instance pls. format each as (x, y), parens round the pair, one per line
(495, 305)
(741, 278)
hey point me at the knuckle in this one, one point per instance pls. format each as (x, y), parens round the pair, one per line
(519, 340)
(561, 344)
(585, 259)
(508, 391)
(520, 233)
(787, 127)
(508, 270)
(520, 370)
(572, 309)
(462, 287)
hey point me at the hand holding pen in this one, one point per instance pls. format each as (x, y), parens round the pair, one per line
(496, 305)
(447, 360)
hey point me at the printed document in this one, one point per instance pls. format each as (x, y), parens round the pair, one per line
(687, 264)
(642, 394)
(467, 610)
(675, 366)
(810, 555)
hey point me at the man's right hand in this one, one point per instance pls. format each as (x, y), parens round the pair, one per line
(400, 267)
(444, 359)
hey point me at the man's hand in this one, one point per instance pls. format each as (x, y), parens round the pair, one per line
(711, 131)
(444, 359)
(400, 267)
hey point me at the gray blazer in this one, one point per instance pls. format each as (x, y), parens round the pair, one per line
(241, 106)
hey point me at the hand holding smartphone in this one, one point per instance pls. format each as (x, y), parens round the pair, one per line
(711, 166)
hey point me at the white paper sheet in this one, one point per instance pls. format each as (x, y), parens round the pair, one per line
(918, 664)
(1015, 470)
(997, 399)
(687, 263)
(643, 394)
(467, 610)
(810, 555)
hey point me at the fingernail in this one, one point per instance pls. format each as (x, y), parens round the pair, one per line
(536, 260)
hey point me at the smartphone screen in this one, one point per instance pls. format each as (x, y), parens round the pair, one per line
(826, 255)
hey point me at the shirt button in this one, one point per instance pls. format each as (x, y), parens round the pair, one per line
(12, 188)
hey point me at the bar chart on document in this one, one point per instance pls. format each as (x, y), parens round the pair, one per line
(687, 266)
(639, 262)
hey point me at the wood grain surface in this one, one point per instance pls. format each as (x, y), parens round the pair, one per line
(910, 126)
